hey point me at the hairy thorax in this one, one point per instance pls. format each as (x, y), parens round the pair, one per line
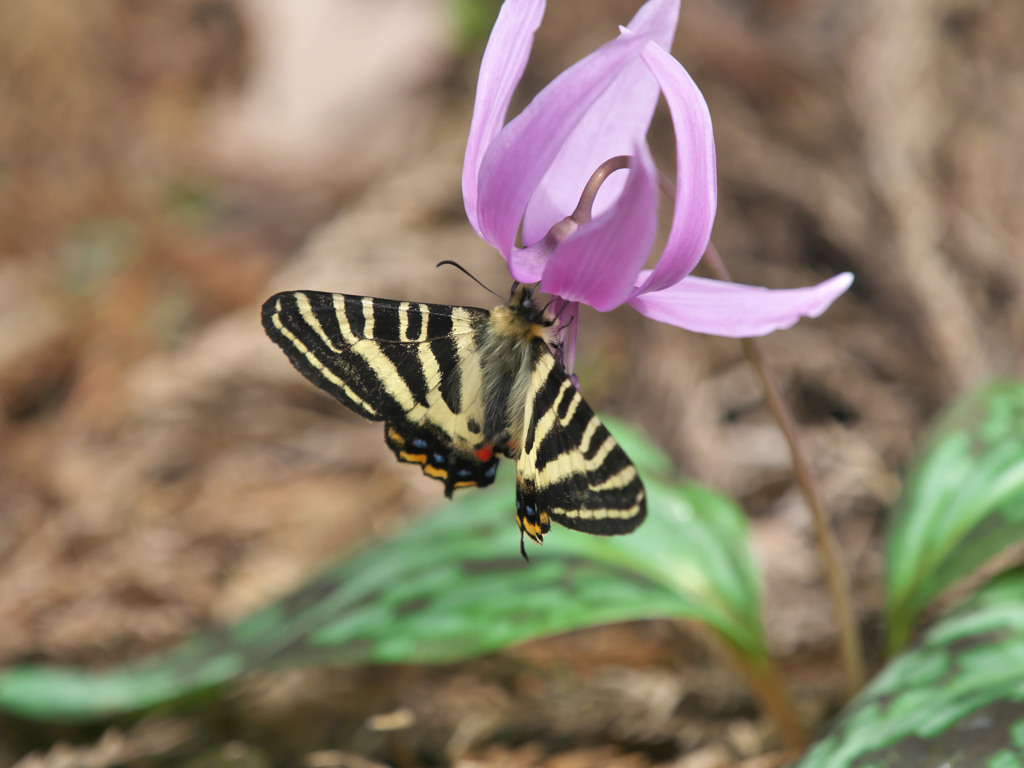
(509, 344)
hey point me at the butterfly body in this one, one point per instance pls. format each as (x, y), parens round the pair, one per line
(509, 342)
(458, 386)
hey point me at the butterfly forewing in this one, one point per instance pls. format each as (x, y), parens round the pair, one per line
(411, 365)
(570, 469)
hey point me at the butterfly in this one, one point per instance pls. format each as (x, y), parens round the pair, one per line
(456, 387)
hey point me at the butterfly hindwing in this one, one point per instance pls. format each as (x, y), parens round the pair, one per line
(570, 469)
(436, 453)
(413, 366)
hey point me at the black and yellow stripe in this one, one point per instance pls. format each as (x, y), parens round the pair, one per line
(572, 471)
(380, 358)
(398, 362)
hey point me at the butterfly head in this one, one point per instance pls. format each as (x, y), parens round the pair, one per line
(523, 303)
(523, 318)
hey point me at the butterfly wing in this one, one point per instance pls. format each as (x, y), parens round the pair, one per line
(413, 366)
(570, 469)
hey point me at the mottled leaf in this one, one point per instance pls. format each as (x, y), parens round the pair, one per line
(955, 699)
(449, 588)
(963, 503)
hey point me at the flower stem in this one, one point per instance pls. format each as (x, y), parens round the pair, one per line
(768, 688)
(835, 568)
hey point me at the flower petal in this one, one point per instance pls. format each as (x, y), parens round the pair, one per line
(696, 179)
(738, 311)
(598, 264)
(500, 71)
(659, 19)
(527, 264)
(612, 126)
(521, 153)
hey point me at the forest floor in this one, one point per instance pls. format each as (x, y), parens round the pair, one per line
(165, 167)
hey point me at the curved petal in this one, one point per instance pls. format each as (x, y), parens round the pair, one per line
(521, 153)
(527, 264)
(612, 126)
(508, 49)
(598, 264)
(738, 311)
(657, 18)
(696, 179)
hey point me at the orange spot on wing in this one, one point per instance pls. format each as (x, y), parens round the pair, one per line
(532, 530)
(413, 458)
(438, 472)
(465, 483)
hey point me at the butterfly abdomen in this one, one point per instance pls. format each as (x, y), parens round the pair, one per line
(508, 346)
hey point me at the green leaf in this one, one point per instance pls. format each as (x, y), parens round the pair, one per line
(963, 503)
(452, 587)
(957, 698)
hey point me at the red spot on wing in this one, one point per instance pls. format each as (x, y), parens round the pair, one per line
(484, 453)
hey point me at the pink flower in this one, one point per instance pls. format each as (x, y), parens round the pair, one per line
(531, 172)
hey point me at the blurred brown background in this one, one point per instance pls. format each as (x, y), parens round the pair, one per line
(165, 166)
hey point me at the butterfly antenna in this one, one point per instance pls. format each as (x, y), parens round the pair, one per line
(558, 314)
(459, 266)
